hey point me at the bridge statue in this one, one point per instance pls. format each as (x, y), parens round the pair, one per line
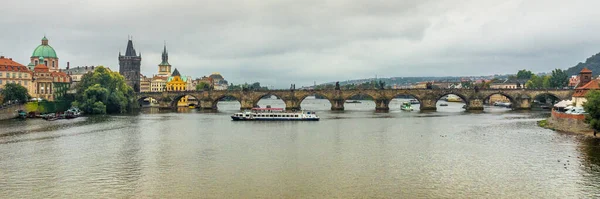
(337, 86)
(381, 85)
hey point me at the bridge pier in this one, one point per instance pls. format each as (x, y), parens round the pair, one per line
(162, 104)
(522, 104)
(337, 104)
(382, 104)
(292, 104)
(208, 104)
(428, 104)
(475, 105)
(246, 104)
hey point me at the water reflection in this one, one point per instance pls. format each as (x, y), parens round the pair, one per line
(187, 153)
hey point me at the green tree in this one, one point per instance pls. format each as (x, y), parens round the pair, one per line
(103, 91)
(524, 74)
(546, 83)
(13, 91)
(535, 82)
(202, 86)
(592, 107)
(559, 79)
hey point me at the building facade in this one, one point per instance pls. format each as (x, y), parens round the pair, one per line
(13, 72)
(129, 66)
(145, 83)
(586, 83)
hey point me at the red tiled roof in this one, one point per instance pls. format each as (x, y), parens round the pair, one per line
(10, 65)
(41, 68)
(59, 74)
(582, 90)
(585, 70)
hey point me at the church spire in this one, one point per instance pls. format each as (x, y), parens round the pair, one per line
(165, 56)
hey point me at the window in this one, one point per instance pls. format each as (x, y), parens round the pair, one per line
(14, 75)
(0, 74)
(20, 75)
(36, 62)
(0, 81)
(52, 64)
(45, 62)
(25, 83)
(19, 82)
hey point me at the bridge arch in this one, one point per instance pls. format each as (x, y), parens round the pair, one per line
(396, 95)
(538, 97)
(302, 98)
(259, 97)
(463, 97)
(176, 98)
(512, 99)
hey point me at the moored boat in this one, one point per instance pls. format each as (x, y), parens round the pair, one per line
(353, 102)
(406, 106)
(443, 104)
(274, 114)
(414, 101)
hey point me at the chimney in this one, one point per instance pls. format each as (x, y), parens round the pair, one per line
(68, 64)
(92, 67)
(86, 67)
(1, 57)
(10, 59)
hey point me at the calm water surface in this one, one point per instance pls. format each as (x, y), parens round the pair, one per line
(352, 154)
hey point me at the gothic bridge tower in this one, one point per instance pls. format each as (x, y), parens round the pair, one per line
(129, 66)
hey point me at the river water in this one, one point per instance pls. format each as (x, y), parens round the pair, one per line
(357, 153)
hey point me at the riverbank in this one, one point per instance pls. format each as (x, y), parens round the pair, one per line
(562, 122)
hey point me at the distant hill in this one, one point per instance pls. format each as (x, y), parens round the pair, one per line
(592, 63)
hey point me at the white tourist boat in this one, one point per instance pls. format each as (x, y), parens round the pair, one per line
(273, 114)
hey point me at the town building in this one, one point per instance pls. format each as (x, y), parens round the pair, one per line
(145, 83)
(77, 73)
(129, 66)
(47, 52)
(586, 83)
(13, 72)
(158, 84)
(175, 82)
(573, 81)
(49, 85)
(508, 84)
(218, 82)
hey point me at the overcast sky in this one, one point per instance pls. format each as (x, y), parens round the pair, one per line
(281, 42)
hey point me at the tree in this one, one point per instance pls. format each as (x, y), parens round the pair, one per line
(535, 82)
(559, 79)
(546, 82)
(103, 91)
(524, 74)
(592, 107)
(14, 91)
(202, 86)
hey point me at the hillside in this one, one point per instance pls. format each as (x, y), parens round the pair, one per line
(592, 63)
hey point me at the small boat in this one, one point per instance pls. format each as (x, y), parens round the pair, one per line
(274, 114)
(22, 114)
(192, 106)
(73, 112)
(353, 102)
(406, 106)
(443, 104)
(414, 101)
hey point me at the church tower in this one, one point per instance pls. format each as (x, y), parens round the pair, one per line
(164, 68)
(129, 66)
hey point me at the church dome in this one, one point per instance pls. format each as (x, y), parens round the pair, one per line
(44, 50)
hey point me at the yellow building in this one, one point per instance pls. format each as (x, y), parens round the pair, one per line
(178, 83)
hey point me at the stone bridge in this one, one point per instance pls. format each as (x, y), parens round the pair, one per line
(520, 98)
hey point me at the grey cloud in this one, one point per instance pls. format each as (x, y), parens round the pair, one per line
(283, 42)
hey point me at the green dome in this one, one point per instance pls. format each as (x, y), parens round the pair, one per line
(45, 51)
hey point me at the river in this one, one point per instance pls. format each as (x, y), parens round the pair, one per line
(358, 153)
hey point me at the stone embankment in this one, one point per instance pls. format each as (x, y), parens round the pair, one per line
(568, 123)
(10, 112)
